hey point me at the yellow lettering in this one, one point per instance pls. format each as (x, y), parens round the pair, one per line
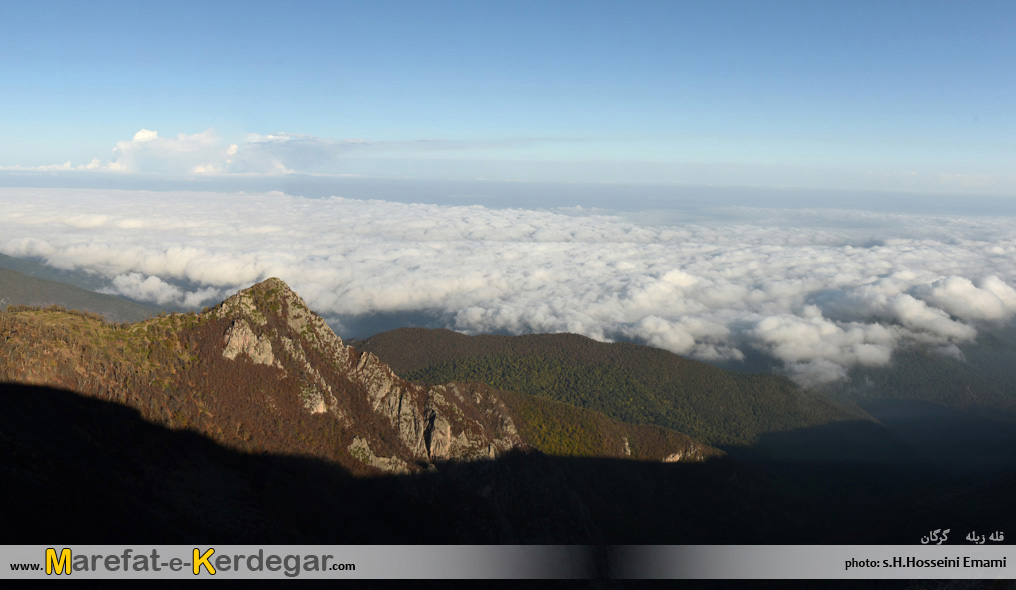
(204, 560)
(61, 565)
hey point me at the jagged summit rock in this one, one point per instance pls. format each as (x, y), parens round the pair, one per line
(262, 372)
(272, 297)
(269, 324)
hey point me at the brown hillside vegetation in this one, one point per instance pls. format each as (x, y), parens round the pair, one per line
(261, 373)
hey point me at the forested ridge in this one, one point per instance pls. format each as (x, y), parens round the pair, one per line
(171, 369)
(18, 288)
(982, 380)
(627, 382)
(566, 430)
(261, 373)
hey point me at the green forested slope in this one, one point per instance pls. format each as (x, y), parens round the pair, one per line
(566, 430)
(982, 381)
(627, 382)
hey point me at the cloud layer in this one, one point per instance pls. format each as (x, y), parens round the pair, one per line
(206, 153)
(529, 159)
(821, 299)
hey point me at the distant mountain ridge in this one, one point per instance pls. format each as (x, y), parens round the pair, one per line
(17, 288)
(628, 382)
(261, 372)
(38, 268)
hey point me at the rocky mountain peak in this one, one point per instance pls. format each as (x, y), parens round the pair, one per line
(263, 373)
(399, 425)
(272, 306)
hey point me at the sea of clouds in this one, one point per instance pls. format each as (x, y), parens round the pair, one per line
(821, 290)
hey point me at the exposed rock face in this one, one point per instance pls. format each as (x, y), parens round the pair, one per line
(467, 421)
(437, 423)
(359, 449)
(690, 453)
(262, 373)
(240, 338)
(430, 424)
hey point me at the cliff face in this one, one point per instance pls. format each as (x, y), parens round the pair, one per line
(261, 372)
(400, 425)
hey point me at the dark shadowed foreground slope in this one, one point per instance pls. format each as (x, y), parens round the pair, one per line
(84, 470)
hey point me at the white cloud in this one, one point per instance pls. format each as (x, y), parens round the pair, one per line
(818, 350)
(152, 288)
(95, 164)
(282, 153)
(206, 153)
(198, 153)
(989, 299)
(820, 299)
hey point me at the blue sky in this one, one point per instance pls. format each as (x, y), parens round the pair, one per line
(362, 152)
(913, 96)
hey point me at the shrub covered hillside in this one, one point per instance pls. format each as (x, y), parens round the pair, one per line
(627, 382)
(260, 372)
